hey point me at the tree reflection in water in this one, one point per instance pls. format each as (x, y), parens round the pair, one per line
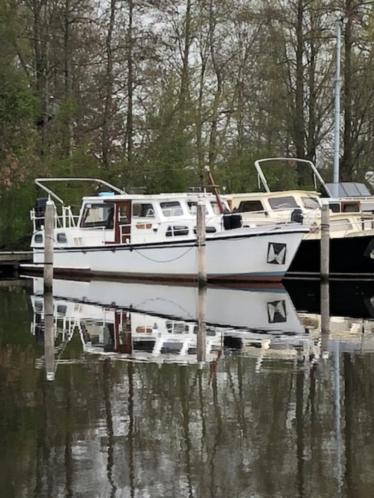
(106, 427)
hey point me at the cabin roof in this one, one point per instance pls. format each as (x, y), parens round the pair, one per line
(266, 195)
(150, 197)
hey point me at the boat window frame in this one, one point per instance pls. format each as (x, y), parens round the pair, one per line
(175, 202)
(97, 224)
(285, 198)
(309, 197)
(245, 201)
(150, 205)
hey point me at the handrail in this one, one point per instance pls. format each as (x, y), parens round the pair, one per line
(38, 182)
(306, 161)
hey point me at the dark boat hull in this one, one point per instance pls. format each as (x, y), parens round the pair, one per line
(349, 257)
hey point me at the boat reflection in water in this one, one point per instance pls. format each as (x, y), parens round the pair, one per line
(166, 324)
(350, 312)
(159, 323)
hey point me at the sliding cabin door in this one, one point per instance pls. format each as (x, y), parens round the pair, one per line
(122, 226)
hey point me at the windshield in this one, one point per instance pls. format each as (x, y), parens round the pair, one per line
(171, 208)
(285, 202)
(98, 215)
(143, 210)
(310, 202)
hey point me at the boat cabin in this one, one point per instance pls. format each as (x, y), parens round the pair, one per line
(275, 206)
(122, 219)
(300, 206)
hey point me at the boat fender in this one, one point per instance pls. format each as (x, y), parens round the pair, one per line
(232, 221)
(297, 216)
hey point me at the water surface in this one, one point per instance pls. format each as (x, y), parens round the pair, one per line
(267, 415)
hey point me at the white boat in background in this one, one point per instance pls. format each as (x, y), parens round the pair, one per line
(154, 237)
(351, 230)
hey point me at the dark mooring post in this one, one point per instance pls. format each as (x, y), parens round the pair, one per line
(201, 246)
(49, 226)
(325, 242)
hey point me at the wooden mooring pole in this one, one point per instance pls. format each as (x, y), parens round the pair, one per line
(325, 242)
(201, 245)
(49, 226)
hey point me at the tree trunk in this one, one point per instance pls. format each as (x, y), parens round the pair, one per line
(217, 96)
(311, 141)
(68, 132)
(129, 142)
(184, 85)
(41, 62)
(107, 117)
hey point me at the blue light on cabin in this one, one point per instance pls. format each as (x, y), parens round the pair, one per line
(105, 194)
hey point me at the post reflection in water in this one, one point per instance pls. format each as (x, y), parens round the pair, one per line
(325, 314)
(49, 337)
(201, 324)
(131, 413)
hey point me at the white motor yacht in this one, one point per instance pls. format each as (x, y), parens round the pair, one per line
(154, 237)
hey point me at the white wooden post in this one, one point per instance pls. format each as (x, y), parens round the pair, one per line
(325, 242)
(201, 246)
(49, 228)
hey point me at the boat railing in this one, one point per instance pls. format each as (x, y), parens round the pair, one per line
(40, 182)
(64, 218)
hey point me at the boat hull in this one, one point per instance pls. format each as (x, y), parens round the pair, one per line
(349, 257)
(243, 256)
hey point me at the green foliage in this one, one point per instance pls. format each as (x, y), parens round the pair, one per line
(168, 159)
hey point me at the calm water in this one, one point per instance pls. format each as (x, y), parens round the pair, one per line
(272, 412)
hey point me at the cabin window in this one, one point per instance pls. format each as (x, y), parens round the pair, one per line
(176, 231)
(61, 309)
(250, 206)
(171, 347)
(208, 229)
(310, 203)
(176, 327)
(61, 238)
(334, 207)
(143, 210)
(192, 207)
(286, 202)
(122, 214)
(38, 239)
(171, 208)
(350, 207)
(144, 346)
(98, 216)
(341, 225)
(215, 207)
